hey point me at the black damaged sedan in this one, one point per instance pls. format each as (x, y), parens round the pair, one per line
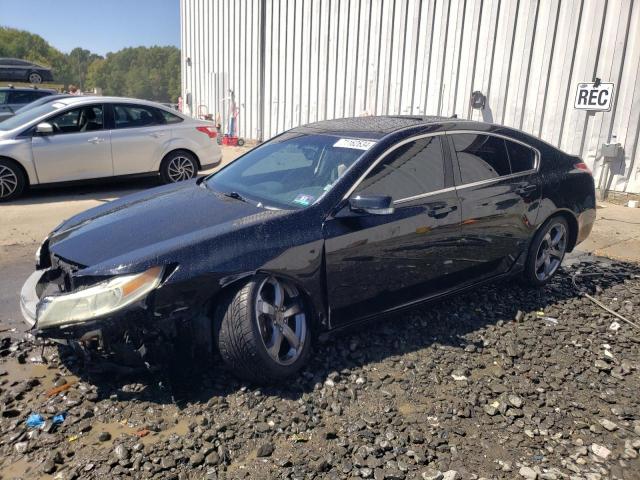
(321, 227)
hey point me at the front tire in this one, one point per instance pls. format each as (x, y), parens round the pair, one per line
(262, 330)
(547, 251)
(178, 166)
(12, 181)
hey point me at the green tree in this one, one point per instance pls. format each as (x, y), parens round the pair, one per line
(151, 73)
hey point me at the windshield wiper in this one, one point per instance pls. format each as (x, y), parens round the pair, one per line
(235, 195)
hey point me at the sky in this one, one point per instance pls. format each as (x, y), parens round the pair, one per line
(100, 26)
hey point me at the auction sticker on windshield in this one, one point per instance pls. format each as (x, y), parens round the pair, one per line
(354, 143)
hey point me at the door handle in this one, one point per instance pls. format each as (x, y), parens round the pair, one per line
(95, 140)
(440, 212)
(523, 190)
(157, 134)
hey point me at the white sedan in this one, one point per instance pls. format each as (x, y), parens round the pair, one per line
(80, 138)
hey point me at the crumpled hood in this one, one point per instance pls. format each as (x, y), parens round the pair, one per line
(151, 223)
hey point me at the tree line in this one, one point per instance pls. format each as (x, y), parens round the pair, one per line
(151, 73)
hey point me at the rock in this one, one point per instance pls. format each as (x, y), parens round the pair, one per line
(212, 459)
(49, 466)
(600, 451)
(515, 400)
(431, 474)
(121, 452)
(104, 436)
(451, 475)
(196, 459)
(265, 450)
(602, 366)
(492, 408)
(608, 424)
(528, 473)
(167, 462)
(21, 447)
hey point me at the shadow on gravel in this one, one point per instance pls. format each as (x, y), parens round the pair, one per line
(447, 323)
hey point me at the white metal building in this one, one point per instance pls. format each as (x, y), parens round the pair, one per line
(291, 62)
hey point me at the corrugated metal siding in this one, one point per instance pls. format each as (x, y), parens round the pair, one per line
(335, 58)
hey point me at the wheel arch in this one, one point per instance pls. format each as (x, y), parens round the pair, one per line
(317, 310)
(20, 167)
(181, 149)
(572, 221)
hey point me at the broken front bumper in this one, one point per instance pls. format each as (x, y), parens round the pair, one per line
(30, 297)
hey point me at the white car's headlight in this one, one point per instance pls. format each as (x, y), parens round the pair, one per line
(100, 299)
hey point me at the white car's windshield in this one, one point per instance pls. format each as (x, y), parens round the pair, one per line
(291, 171)
(27, 116)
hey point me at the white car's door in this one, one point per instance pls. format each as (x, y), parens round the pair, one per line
(138, 138)
(78, 148)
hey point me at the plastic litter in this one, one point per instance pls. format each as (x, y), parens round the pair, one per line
(550, 320)
(615, 326)
(59, 418)
(35, 420)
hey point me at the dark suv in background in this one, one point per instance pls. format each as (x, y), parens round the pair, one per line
(14, 69)
(14, 98)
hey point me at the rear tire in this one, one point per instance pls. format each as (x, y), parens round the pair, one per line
(262, 330)
(178, 166)
(35, 77)
(12, 180)
(546, 251)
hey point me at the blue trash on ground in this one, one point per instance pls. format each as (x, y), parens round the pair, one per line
(35, 420)
(59, 418)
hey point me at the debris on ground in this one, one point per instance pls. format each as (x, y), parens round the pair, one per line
(504, 382)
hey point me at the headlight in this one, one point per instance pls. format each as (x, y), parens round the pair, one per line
(98, 300)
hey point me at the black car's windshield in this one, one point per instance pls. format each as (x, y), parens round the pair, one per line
(291, 171)
(26, 116)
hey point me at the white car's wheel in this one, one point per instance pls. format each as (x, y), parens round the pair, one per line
(12, 180)
(178, 166)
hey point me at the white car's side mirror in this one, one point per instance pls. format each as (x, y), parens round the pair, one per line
(44, 128)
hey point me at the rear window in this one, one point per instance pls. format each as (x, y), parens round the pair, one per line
(481, 157)
(169, 117)
(522, 158)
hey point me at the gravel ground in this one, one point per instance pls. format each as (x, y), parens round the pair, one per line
(504, 382)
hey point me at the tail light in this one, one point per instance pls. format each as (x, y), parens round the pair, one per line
(582, 166)
(211, 132)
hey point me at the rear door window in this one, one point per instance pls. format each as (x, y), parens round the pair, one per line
(135, 116)
(412, 169)
(522, 158)
(481, 157)
(22, 97)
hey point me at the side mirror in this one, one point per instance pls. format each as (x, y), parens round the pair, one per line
(44, 128)
(371, 204)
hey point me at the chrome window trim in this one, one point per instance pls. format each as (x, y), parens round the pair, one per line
(455, 187)
(423, 195)
(383, 155)
(538, 156)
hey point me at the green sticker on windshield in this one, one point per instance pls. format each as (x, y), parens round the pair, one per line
(303, 199)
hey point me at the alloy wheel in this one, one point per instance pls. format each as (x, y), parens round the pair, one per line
(180, 168)
(551, 251)
(282, 321)
(8, 181)
(35, 78)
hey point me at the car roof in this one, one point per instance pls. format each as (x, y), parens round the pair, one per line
(372, 126)
(79, 99)
(27, 89)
